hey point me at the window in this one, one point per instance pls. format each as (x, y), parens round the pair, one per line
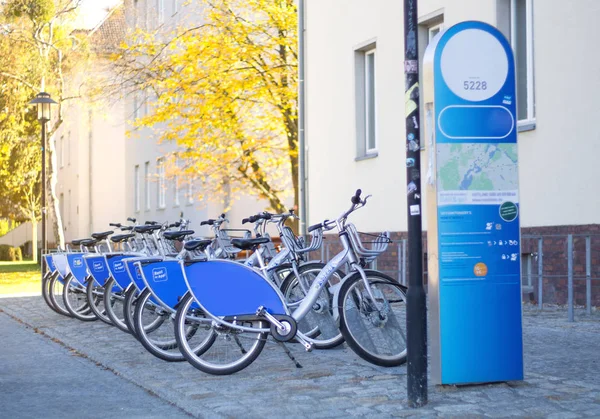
(160, 167)
(135, 13)
(69, 209)
(62, 208)
(61, 152)
(366, 101)
(176, 191)
(146, 102)
(161, 11)
(521, 39)
(190, 193)
(433, 31)
(147, 185)
(136, 188)
(69, 148)
(136, 106)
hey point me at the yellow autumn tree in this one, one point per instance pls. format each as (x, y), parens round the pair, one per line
(226, 94)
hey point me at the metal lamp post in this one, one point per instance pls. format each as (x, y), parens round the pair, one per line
(43, 102)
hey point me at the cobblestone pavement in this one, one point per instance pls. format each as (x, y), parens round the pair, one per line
(562, 375)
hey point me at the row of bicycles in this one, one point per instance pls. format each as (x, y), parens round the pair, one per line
(197, 299)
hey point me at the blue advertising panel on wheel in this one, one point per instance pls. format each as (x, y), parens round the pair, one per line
(476, 277)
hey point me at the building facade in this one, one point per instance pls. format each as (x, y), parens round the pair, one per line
(355, 113)
(106, 175)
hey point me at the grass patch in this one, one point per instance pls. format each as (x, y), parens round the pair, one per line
(19, 278)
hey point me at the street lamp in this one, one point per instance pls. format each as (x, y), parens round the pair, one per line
(44, 102)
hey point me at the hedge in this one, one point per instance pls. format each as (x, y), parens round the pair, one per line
(10, 254)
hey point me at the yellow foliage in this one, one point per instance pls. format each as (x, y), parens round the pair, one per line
(226, 94)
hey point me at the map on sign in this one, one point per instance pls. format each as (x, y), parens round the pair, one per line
(466, 168)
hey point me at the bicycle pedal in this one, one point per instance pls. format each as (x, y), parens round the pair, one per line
(308, 346)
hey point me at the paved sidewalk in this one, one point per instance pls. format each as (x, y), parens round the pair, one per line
(41, 378)
(562, 375)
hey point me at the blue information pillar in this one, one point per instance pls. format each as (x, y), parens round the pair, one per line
(473, 207)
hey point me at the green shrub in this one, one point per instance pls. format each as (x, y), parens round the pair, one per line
(4, 252)
(10, 254)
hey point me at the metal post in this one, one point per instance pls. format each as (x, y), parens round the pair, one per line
(570, 277)
(416, 309)
(588, 275)
(404, 262)
(44, 244)
(301, 123)
(540, 272)
(400, 263)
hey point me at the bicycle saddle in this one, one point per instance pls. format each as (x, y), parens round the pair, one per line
(89, 242)
(197, 245)
(121, 237)
(249, 244)
(77, 242)
(147, 228)
(103, 235)
(177, 235)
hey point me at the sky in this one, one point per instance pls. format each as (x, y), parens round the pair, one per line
(93, 11)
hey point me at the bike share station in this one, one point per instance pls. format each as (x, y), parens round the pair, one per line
(475, 312)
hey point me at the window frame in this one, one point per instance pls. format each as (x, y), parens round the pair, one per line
(190, 193)
(367, 92)
(160, 12)
(530, 119)
(361, 108)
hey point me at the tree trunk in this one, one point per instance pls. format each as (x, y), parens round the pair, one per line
(54, 203)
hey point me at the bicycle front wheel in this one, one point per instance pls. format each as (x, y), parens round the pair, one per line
(224, 350)
(76, 302)
(373, 319)
(114, 299)
(95, 298)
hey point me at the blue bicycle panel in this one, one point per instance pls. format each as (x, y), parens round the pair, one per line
(135, 274)
(118, 270)
(98, 268)
(50, 263)
(60, 261)
(231, 289)
(77, 267)
(165, 280)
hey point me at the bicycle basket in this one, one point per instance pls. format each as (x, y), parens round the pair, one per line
(224, 243)
(378, 242)
(298, 244)
(169, 247)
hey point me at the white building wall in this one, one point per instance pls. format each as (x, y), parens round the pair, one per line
(556, 177)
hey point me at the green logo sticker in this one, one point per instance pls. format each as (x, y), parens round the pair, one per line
(509, 211)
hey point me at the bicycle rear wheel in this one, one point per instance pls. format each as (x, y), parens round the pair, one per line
(76, 302)
(224, 350)
(55, 292)
(374, 328)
